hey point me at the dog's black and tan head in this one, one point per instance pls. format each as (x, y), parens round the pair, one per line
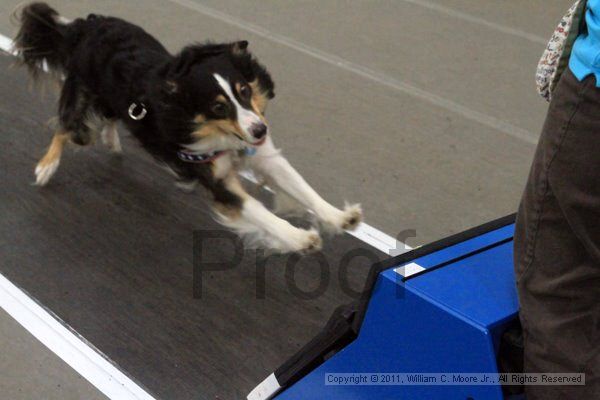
(219, 93)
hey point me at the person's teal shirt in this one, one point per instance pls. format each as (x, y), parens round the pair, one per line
(585, 57)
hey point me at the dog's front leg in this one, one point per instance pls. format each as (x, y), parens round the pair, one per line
(254, 222)
(269, 162)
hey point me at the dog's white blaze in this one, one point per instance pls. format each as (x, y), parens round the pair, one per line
(246, 118)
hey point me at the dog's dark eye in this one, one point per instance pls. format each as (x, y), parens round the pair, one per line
(245, 92)
(220, 109)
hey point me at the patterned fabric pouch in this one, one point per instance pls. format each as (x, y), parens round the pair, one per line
(556, 56)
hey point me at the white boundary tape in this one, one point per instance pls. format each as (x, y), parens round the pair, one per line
(87, 361)
(69, 346)
(266, 389)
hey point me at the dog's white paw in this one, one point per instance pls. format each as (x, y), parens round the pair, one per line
(45, 171)
(342, 220)
(352, 216)
(311, 242)
(301, 241)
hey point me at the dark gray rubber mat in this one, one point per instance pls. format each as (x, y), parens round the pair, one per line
(108, 246)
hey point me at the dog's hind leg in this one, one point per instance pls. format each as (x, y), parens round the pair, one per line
(76, 113)
(74, 119)
(110, 137)
(48, 165)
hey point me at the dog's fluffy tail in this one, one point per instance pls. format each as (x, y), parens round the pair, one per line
(41, 38)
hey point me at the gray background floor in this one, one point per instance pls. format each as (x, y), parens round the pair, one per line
(424, 111)
(30, 371)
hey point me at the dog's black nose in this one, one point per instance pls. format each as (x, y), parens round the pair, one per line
(259, 130)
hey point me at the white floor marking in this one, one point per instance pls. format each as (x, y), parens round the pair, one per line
(365, 72)
(69, 346)
(480, 21)
(266, 389)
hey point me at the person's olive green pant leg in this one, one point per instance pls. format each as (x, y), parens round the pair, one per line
(557, 244)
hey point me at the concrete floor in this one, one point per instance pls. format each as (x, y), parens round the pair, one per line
(29, 370)
(424, 111)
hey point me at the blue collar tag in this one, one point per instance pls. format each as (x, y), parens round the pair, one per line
(250, 151)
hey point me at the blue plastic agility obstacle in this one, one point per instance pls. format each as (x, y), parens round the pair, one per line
(447, 319)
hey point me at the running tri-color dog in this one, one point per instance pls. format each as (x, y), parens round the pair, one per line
(199, 113)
